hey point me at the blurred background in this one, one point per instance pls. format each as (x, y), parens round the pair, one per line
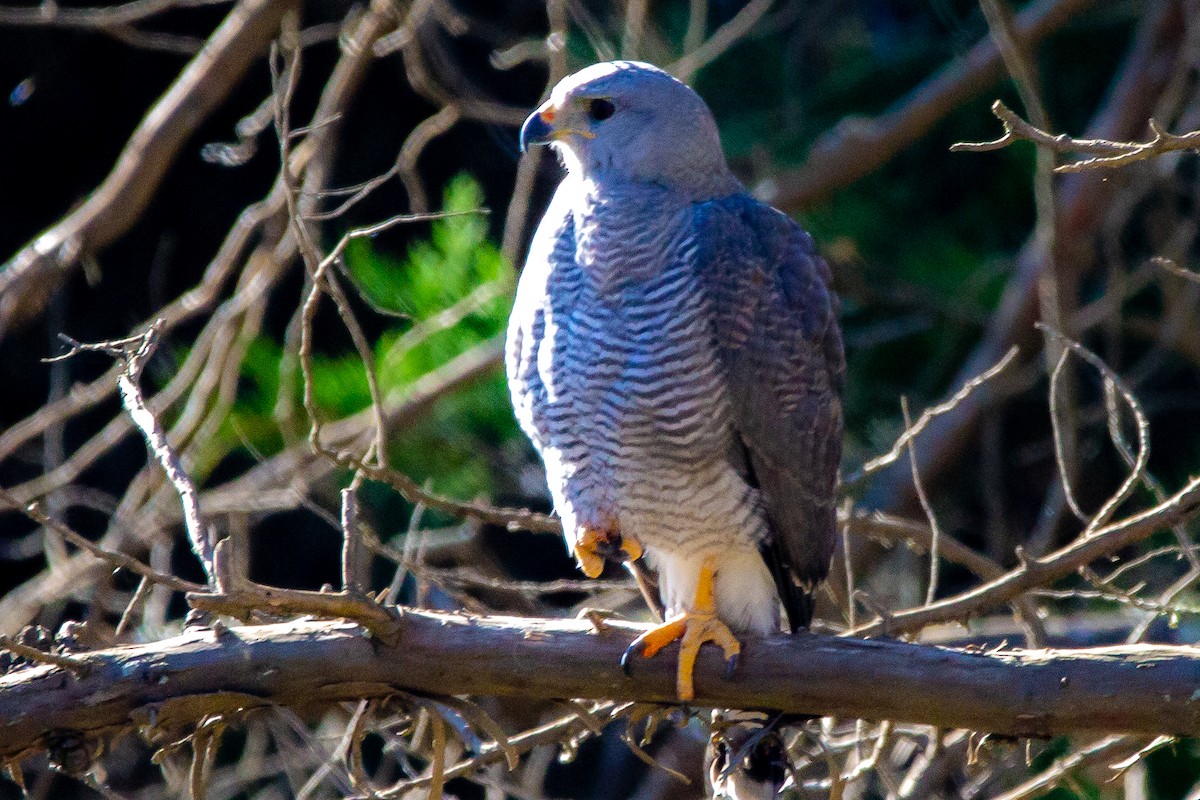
(840, 112)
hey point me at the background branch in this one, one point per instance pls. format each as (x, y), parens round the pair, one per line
(31, 276)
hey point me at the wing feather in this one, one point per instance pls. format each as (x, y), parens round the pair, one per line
(776, 329)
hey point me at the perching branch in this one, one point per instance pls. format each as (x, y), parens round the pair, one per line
(174, 683)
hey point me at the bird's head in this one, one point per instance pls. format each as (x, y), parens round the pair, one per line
(631, 121)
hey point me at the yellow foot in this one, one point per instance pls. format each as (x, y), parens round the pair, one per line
(692, 629)
(594, 546)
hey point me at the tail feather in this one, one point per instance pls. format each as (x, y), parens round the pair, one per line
(798, 600)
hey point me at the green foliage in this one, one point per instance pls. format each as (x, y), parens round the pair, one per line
(456, 272)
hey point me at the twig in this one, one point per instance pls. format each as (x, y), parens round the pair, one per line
(935, 532)
(75, 666)
(848, 562)
(296, 602)
(134, 352)
(1138, 468)
(205, 741)
(410, 490)
(1173, 268)
(549, 734)
(354, 562)
(133, 606)
(53, 15)
(722, 39)
(117, 560)
(1100, 750)
(1104, 153)
(468, 577)
(437, 765)
(1042, 571)
(1061, 460)
(929, 414)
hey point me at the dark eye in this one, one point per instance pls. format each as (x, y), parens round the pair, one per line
(601, 109)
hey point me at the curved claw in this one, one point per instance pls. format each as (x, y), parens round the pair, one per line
(693, 629)
(731, 665)
(626, 666)
(595, 546)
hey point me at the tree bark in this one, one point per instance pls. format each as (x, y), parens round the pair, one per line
(166, 686)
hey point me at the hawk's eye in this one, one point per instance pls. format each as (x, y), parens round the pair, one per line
(601, 109)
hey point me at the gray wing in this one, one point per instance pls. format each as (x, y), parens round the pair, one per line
(777, 333)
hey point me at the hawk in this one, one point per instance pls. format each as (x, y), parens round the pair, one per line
(675, 357)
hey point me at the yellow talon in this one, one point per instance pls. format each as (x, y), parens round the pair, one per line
(692, 629)
(632, 547)
(590, 564)
(592, 544)
(587, 553)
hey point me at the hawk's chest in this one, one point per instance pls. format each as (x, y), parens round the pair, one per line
(625, 239)
(634, 355)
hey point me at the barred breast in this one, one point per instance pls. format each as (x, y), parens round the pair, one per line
(622, 391)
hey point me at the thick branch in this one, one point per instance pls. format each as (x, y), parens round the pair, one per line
(203, 672)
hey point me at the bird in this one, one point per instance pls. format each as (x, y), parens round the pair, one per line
(746, 758)
(674, 355)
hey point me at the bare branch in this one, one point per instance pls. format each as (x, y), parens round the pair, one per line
(309, 663)
(117, 560)
(857, 147)
(1138, 468)
(1109, 747)
(133, 353)
(911, 432)
(34, 656)
(123, 14)
(935, 536)
(1042, 571)
(722, 39)
(32, 275)
(1104, 153)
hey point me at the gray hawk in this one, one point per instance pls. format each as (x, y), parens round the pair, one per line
(674, 355)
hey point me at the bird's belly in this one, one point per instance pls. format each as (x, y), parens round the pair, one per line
(658, 436)
(670, 502)
(637, 418)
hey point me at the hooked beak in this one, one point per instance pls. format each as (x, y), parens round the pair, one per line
(539, 127)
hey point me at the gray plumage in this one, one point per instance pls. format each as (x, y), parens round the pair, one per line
(674, 352)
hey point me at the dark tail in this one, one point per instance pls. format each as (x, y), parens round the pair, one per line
(798, 601)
